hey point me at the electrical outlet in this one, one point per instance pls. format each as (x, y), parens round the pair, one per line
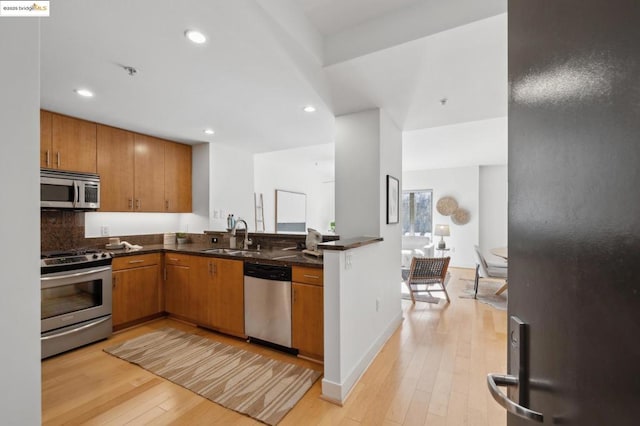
(348, 259)
(104, 230)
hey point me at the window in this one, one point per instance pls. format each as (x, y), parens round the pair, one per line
(417, 209)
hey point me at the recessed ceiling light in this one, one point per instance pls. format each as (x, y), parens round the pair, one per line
(309, 108)
(209, 131)
(84, 92)
(195, 36)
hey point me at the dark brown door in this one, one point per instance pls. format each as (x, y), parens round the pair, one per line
(574, 207)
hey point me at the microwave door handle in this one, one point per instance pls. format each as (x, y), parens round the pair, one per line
(76, 186)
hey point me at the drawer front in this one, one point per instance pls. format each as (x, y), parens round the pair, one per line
(177, 259)
(301, 274)
(128, 262)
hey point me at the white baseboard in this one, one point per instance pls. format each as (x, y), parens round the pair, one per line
(338, 392)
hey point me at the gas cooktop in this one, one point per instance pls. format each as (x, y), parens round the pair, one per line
(55, 261)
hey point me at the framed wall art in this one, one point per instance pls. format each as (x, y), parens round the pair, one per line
(393, 200)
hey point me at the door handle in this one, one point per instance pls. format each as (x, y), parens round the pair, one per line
(495, 380)
(518, 393)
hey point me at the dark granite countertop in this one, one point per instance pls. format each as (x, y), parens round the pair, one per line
(269, 256)
(349, 243)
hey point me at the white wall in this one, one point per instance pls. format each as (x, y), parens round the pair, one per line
(460, 145)
(131, 223)
(307, 170)
(231, 186)
(357, 169)
(493, 208)
(20, 225)
(198, 221)
(463, 185)
(362, 291)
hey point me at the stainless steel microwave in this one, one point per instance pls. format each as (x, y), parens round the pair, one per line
(69, 190)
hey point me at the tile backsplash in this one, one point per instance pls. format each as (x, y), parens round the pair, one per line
(64, 229)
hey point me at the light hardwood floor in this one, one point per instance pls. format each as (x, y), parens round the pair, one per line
(432, 371)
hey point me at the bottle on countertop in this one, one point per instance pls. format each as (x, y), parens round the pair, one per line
(229, 226)
(233, 221)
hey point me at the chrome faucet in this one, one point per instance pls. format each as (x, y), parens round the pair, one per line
(246, 242)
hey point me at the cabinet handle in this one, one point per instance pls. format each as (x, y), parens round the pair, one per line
(137, 203)
(213, 268)
(166, 205)
(114, 281)
(209, 263)
(58, 159)
(136, 261)
(315, 277)
(131, 203)
(47, 160)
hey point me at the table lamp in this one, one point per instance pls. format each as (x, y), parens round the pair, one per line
(441, 231)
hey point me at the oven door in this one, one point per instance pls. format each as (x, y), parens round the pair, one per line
(71, 297)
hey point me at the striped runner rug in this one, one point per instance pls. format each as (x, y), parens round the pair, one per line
(252, 384)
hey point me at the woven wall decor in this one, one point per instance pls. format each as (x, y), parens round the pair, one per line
(461, 216)
(446, 206)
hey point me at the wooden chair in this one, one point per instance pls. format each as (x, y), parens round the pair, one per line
(427, 275)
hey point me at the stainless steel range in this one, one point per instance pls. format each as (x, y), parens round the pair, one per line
(75, 302)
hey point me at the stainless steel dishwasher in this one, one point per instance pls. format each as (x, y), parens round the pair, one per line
(267, 303)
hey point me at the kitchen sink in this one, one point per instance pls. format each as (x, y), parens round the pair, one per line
(230, 251)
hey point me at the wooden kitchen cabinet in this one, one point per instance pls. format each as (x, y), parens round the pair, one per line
(46, 149)
(177, 177)
(67, 143)
(222, 293)
(182, 296)
(149, 174)
(137, 293)
(138, 173)
(307, 322)
(228, 296)
(115, 167)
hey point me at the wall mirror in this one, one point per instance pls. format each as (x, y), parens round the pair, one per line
(291, 211)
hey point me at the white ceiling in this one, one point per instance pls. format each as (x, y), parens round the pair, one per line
(265, 59)
(333, 16)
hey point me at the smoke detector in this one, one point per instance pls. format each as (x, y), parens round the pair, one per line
(130, 70)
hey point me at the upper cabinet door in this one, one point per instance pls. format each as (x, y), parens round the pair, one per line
(177, 177)
(115, 167)
(45, 139)
(73, 144)
(149, 174)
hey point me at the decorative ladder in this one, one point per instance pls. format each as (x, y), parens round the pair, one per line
(259, 211)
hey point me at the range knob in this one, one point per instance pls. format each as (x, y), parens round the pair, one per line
(95, 256)
(104, 254)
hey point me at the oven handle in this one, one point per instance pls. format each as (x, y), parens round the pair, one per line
(78, 274)
(76, 330)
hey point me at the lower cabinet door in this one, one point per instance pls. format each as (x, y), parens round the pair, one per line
(178, 291)
(136, 294)
(227, 299)
(308, 319)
